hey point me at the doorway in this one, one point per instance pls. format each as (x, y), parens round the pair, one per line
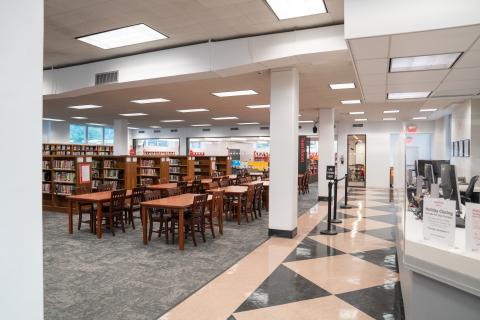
(356, 160)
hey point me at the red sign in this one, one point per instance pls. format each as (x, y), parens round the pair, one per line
(412, 129)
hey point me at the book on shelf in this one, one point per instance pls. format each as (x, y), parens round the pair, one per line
(147, 163)
(47, 188)
(146, 181)
(113, 173)
(111, 164)
(46, 165)
(64, 164)
(64, 177)
(150, 172)
(62, 189)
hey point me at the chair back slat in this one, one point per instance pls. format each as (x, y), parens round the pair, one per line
(217, 202)
(117, 200)
(199, 205)
(152, 195)
(104, 187)
(182, 186)
(137, 195)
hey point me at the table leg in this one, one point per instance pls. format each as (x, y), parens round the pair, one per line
(239, 208)
(181, 230)
(143, 212)
(70, 217)
(99, 220)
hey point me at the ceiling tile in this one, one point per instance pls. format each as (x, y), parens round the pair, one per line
(413, 87)
(375, 98)
(375, 66)
(476, 46)
(456, 85)
(458, 92)
(381, 89)
(464, 74)
(369, 48)
(374, 79)
(416, 76)
(469, 59)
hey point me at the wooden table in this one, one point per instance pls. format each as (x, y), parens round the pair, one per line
(236, 191)
(99, 198)
(266, 187)
(179, 203)
(173, 185)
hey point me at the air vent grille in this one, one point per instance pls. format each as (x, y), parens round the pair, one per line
(157, 131)
(358, 125)
(106, 77)
(141, 131)
(234, 129)
(264, 128)
(174, 130)
(205, 130)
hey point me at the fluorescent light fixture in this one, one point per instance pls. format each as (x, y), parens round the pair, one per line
(408, 95)
(85, 106)
(419, 118)
(121, 37)
(247, 123)
(172, 120)
(391, 111)
(235, 93)
(192, 110)
(389, 119)
(95, 124)
(361, 119)
(287, 9)
(201, 125)
(428, 110)
(306, 121)
(356, 112)
(133, 128)
(154, 100)
(340, 86)
(135, 114)
(259, 106)
(356, 101)
(80, 118)
(225, 118)
(52, 119)
(421, 63)
(155, 127)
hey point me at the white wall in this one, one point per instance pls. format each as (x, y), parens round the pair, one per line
(461, 125)
(21, 267)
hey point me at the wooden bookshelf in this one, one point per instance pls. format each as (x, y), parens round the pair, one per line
(59, 149)
(119, 171)
(150, 169)
(203, 167)
(223, 165)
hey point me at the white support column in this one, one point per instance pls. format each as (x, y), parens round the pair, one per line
(326, 152)
(120, 140)
(284, 152)
(21, 241)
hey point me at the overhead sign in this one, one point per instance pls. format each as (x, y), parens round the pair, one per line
(439, 221)
(330, 172)
(412, 129)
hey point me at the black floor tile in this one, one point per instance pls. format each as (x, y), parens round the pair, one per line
(381, 302)
(231, 318)
(281, 287)
(386, 257)
(323, 225)
(383, 233)
(388, 218)
(311, 249)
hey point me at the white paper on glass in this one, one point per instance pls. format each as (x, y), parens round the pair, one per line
(439, 221)
(472, 227)
(85, 173)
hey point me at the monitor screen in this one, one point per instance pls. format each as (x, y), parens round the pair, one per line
(449, 184)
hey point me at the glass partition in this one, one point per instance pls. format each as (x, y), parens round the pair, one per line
(157, 146)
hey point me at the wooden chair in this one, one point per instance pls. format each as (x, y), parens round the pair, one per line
(224, 183)
(182, 186)
(163, 180)
(246, 204)
(216, 209)
(104, 187)
(115, 209)
(157, 215)
(257, 200)
(306, 181)
(213, 185)
(85, 208)
(196, 186)
(196, 217)
(134, 204)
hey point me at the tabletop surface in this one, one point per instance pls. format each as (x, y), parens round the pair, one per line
(252, 183)
(181, 201)
(96, 196)
(162, 186)
(231, 189)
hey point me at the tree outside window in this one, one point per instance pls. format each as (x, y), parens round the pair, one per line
(77, 133)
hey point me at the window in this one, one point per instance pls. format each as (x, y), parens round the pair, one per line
(95, 135)
(108, 134)
(77, 133)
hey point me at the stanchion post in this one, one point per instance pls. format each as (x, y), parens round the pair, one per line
(335, 194)
(329, 230)
(345, 205)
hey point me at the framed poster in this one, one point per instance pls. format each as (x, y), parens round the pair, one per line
(461, 146)
(466, 150)
(84, 170)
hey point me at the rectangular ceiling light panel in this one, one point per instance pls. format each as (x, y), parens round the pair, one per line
(259, 106)
(225, 118)
(235, 93)
(121, 37)
(391, 111)
(135, 114)
(85, 106)
(408, 95)
(340, 86)
(154, 100)
(422, 63)
(287, 9)
(192, 110)
(355, 101)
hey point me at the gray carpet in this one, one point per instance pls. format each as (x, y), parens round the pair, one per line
(120, 278)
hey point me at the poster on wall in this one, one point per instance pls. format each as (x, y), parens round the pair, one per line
(439, 221)
(84, 170)
(472, 227)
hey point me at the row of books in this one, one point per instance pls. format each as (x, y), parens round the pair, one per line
(174, 178)
(174, 162)
(146, 181)
(64, 164)
(147, 163)
(151, 172)
(174, 169)
(109, 163)
(64, 189)
(46, 188)
(64, 176)
(46, 165)
(116, 174)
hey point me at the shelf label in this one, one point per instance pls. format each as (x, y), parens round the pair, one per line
(472, 227)
(439, 221)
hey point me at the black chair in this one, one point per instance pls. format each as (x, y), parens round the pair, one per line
(467, 196)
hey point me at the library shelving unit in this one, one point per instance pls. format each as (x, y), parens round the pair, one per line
(181, 168)
(223, 165)
(119, 171)
(62, 149)
(150, 169)
(203, 167)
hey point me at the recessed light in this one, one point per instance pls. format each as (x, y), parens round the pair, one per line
(153, 100)
(419, 118)
(356, 101)
(306, 121)
(421, 63)
(52, 119)
(85, 106)
(155, 127)
(80, 118)
(247, 123)
(287, 9)
(201, 125)
(391, 111)
(234, 93)
(95, 124)
(356, 112)
(259, 106)
(340, 86)
(133, 128)
(172, 120)
(192, 110)
(121, 37)
(428, 110)
(408, 95)
(135, 114)
(389, 119)
(361, 119)
(225, 118)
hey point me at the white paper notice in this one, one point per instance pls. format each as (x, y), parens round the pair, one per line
(439, 221)
(86, 173)
(435, 191)
(472, 227)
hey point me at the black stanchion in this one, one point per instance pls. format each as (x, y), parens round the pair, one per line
(334, 219)
(346, 205)
(329, 230)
